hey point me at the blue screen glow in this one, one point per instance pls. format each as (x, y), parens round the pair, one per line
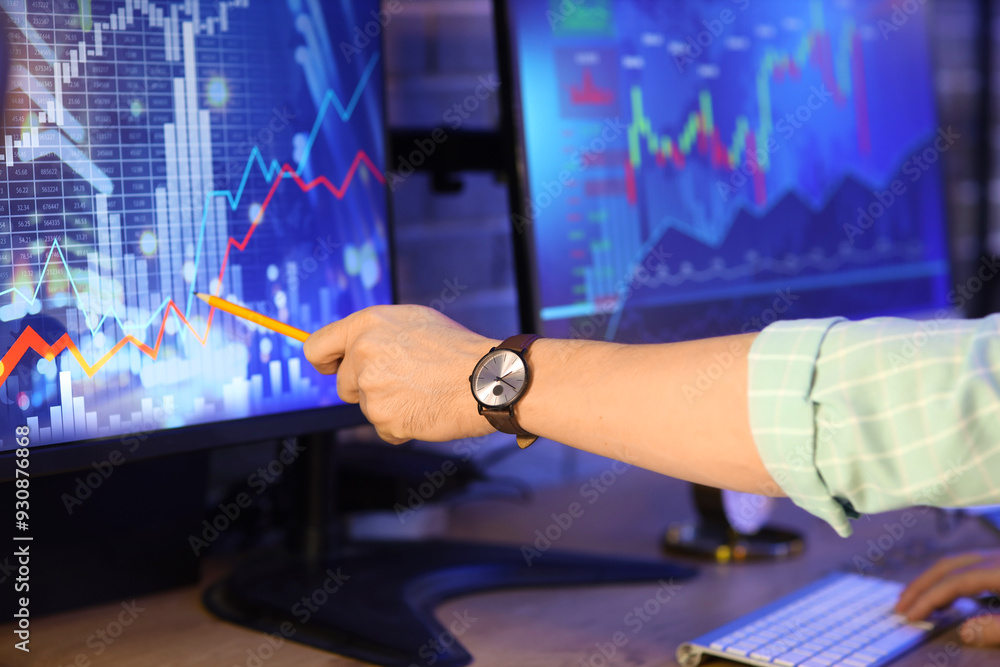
(703, 168)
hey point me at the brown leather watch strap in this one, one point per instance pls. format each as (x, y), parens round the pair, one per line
(504, 420)
(518, 343)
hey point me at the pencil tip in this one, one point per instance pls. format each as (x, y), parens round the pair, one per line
(203, 297)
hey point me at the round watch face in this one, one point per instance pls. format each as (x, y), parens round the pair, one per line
(499, 379)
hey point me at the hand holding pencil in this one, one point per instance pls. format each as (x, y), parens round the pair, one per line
(255, 317)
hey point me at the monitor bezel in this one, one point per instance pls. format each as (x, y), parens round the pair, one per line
(85, 454)
(515, 161)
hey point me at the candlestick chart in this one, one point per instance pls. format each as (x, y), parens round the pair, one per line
(156, 149)
(686, 162)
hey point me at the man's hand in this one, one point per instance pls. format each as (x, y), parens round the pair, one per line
(408, 367)
(951, 578)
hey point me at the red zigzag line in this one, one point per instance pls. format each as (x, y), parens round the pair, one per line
(31, 340)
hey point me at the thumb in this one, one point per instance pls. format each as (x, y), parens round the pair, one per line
(981, 630)
(326, 348)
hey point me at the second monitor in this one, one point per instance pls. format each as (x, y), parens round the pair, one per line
(693, 169)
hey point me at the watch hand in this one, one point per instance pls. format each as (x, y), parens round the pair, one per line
(507, 383)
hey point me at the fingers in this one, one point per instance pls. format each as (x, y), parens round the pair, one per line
(347, 382)
(981, 631)
(958, 584)
(932, 576)
(380, 429)
(325, 348)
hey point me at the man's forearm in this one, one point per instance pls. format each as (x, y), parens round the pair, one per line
(678, 409)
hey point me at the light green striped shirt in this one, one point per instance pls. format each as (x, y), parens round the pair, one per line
(879, 414)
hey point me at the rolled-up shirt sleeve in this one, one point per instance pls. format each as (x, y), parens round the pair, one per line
(879, 414)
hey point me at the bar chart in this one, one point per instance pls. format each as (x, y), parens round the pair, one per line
(155, 149)
(677, 173)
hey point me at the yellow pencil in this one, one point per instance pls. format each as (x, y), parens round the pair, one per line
(256, 318)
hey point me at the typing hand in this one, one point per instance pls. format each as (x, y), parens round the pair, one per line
(408, 367)
(951, 578)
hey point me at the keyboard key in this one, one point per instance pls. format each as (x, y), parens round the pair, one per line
(866, 657)
(741, 649)
(768, 653)
(730, 639)
(793, 659)
(833, 655)
(904, 636)
(847, 623)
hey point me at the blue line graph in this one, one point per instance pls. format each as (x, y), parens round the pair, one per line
(269, 172)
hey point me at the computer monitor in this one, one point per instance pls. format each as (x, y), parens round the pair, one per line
(689, 169)
(156, 149)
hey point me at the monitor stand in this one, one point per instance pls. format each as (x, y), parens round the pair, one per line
(375, 601)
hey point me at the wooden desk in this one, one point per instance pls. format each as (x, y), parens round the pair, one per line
(551, 628)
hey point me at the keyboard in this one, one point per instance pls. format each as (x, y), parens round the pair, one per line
(842, 620)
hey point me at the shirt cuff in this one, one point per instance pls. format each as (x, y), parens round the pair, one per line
(782, 365)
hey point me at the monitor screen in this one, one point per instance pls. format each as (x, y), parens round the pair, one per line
(155, 149)
(696, 168)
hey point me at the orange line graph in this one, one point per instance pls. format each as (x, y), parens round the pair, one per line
(31, 340)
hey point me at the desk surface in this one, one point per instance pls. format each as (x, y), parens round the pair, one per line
(554, 628)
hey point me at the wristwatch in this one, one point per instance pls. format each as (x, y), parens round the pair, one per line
(499, 381)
